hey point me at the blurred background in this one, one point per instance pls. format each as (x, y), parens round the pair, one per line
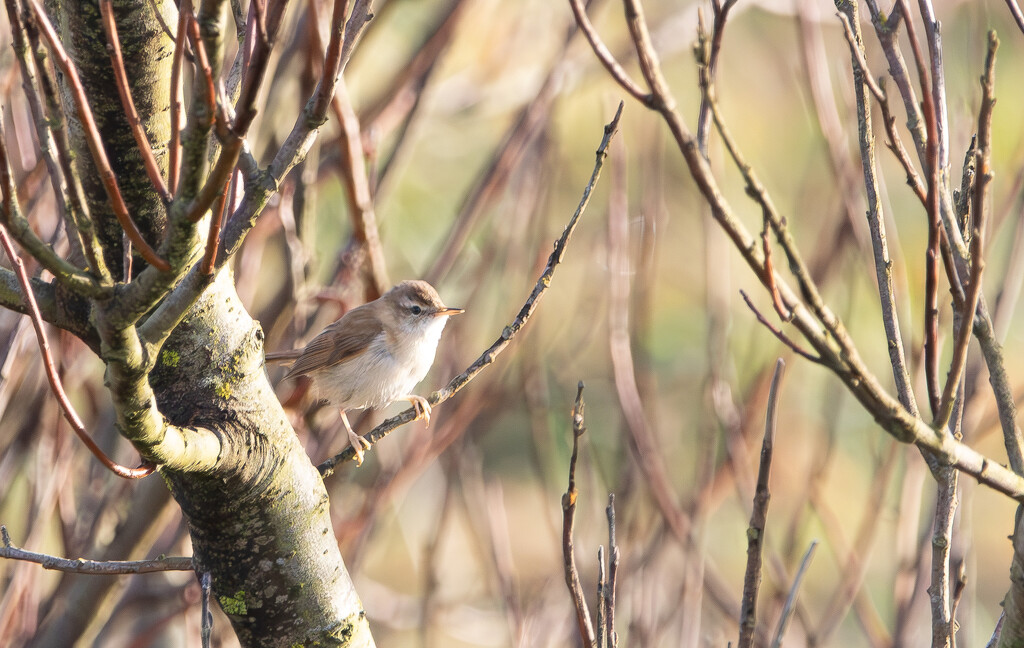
(479, 120)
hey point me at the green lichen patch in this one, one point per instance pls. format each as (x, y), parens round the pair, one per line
(234, 605)
(170, 358)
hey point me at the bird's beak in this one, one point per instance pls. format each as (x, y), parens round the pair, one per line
(449, 311)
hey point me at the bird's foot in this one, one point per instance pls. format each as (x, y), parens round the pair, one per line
(359, 444)
(421, 406)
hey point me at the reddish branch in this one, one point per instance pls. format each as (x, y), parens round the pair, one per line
(213, 238)
(51, 370)
(95, 142)
(116, 60)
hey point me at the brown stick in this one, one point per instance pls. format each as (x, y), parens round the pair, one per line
(174, 146)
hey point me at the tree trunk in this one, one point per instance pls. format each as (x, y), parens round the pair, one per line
(259, 519)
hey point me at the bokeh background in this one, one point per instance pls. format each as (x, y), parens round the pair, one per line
(453, 532)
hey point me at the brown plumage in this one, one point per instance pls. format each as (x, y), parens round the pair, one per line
(376, 353)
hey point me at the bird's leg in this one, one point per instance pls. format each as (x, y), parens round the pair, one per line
(358, 443)
(421, 406)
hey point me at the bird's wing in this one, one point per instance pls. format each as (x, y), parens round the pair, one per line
(348, 337)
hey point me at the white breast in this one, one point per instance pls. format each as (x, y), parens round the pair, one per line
(386, 371)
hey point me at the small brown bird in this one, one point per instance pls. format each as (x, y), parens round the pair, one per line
(375, 354)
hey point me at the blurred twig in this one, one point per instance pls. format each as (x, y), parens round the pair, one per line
(787, 609)
(759, 517)
(572, 576)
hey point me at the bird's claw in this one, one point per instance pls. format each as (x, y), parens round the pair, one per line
(421, 407)
(359, 444)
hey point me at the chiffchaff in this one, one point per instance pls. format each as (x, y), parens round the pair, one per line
(375, 354)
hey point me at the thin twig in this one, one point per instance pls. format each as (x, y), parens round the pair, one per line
(708, 66)
(95, 141)
(510, 331)
(796, 348)
(97, 567)
(572, 576)
(759, 516)
(790, 604)
(51, 371)
(931, 303)
(769, 277)
(123, 89)
(213, 236)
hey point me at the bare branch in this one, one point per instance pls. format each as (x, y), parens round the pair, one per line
(708, 57)
(98, 567)
(983, 176)
(604, 55)
(876, 221)
(1015, 11)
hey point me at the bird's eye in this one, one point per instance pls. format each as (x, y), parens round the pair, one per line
(416, 310)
